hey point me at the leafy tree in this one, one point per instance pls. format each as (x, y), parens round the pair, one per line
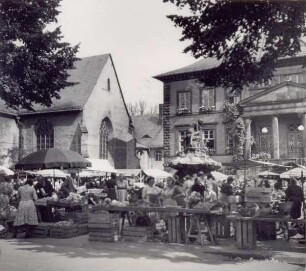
(247, 37)
(233, 120)
(33, 60)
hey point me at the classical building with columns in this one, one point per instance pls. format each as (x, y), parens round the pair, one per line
(273, 112)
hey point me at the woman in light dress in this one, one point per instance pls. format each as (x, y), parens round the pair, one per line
(26, 212)
(150, 192)
(122, 186)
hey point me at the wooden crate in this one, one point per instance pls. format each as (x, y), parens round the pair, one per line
(83, 229)
(64, 231)
(220, 226)
(174, 230)
(104, 234)
(42, 230)
(137, 233)
(246, 234)
(104, 220)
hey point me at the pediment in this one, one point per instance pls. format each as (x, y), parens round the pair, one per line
(283, 93)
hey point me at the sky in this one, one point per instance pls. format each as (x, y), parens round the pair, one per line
(141, 40)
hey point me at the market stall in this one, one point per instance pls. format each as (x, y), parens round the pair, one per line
(185, 224)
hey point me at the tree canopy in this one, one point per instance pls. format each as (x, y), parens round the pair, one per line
(33, 60)
(246, 36)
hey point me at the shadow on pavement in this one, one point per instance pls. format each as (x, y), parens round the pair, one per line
(82, 248)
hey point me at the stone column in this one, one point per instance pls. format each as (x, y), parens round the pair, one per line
(275, 137)
(247, 144)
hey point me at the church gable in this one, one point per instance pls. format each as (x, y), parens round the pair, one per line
(282, 93)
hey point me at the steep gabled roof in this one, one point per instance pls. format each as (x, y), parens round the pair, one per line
(197, 67)
(148, 130)
(86, 73)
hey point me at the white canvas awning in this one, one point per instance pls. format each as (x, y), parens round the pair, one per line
(268, 164)
(219, 176)
(267, 173)
(297, 172)
(6, 171)
(157, 173)
(129, 172)
(101, 165)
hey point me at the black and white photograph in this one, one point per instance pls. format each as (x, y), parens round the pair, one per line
(149, 135)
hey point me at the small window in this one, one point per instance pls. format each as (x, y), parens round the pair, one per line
(158, 155)
(108, 84)
(208, 97)
(182, 135)
(229, 142)
(209, 136)
(184, 101)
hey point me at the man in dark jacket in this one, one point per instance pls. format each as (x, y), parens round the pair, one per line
(294, 194)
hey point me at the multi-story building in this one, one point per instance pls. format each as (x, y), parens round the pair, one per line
(273, 112)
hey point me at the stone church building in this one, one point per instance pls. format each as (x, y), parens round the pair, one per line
(91, 118)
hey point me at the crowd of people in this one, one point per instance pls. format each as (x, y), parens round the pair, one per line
(173, 191)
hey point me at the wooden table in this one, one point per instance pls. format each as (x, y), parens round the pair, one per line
(47, 206)
(246, 228)
(176, 224)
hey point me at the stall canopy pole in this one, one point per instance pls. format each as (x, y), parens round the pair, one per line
(303, 203)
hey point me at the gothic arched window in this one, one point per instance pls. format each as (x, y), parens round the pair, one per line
(105, 134)
(44, 134)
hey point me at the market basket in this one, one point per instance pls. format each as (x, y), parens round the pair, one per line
(250, 209)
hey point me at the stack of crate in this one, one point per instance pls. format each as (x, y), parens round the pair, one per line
(262, 197)
(137, 233)
(258, 195)
(79, 218)
(42, 230)
(103, 227)
(220, 226)
(63, 231)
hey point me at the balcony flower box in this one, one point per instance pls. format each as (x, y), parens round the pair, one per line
(183, 110)
(207, 109)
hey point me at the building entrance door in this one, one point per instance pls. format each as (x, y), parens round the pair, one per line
(295, 145)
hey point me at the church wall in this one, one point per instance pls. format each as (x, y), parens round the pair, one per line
(104, 103)
(65, 127)
(9, 141)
